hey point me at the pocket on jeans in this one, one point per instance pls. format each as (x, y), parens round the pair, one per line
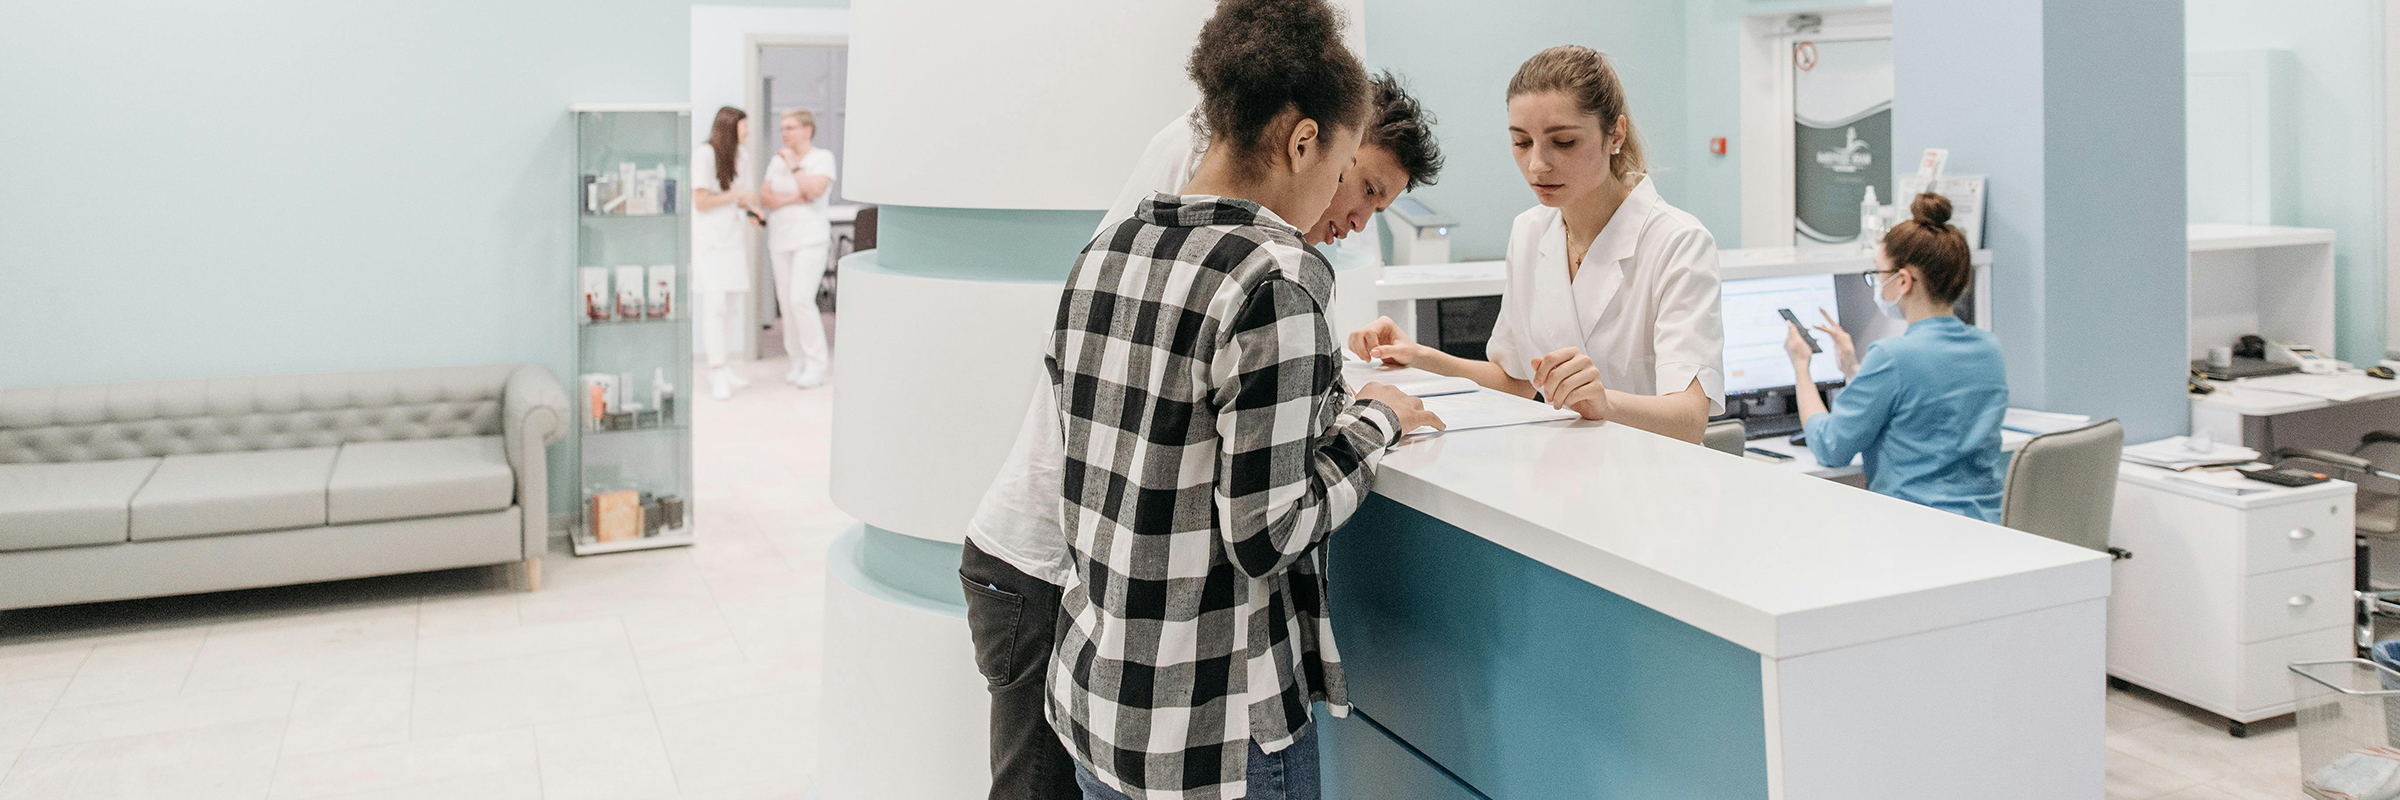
(992, 620)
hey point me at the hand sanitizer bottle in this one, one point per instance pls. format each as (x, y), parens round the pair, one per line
(663, 394)
(1870, 221)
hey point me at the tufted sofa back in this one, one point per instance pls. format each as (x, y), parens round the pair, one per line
(98, 422)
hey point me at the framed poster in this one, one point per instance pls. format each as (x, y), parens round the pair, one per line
(1841, 134)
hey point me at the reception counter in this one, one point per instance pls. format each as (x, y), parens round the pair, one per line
(1590, 611)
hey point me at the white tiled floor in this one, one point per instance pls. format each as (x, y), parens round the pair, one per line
(2161, 748)
(686, 673)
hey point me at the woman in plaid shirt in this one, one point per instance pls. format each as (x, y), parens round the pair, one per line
(1210, 447)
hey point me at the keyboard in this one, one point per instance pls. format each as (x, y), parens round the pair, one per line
(1763, 426)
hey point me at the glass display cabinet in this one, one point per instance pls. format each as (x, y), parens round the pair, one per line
(633, 328)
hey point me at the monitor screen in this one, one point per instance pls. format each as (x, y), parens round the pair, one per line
(1754, 331)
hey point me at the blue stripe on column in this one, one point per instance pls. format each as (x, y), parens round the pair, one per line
(900, 569)
(982, 244)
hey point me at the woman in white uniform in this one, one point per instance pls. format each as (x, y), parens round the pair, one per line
(722, 199)
(1611, 303)
(798, 189)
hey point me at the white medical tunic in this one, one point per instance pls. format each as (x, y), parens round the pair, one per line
(720, 247)
(1643, 306)
(798, 225)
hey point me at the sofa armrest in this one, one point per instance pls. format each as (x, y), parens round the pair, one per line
(533, 415)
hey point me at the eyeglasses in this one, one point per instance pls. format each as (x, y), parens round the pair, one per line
(1874, 277)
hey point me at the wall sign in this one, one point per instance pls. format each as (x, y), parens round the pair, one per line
(1841, 134)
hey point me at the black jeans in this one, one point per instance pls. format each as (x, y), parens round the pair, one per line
(1013, 618)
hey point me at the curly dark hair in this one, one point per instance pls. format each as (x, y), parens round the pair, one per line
(1402, 126)
(1259, 58)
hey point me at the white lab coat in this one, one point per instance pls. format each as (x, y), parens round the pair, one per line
(1644, 306)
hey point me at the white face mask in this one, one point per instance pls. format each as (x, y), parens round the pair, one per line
(1890, 308)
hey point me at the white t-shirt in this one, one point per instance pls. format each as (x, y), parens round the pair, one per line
(719, 228)
(1018, 521)
(1166, 165)
(799, 224)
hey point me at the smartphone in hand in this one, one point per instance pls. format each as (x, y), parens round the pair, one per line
(1804, 334)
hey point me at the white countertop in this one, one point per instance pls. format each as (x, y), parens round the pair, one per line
(2209, 236)
(1440, 281)
(1777, 562)
(2157, 478)
(2248, 399)
(1776, 262)
(1482, 278)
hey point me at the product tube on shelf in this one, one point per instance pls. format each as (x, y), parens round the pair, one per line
(662, 394)
(596, 398)
(662, 291)
(629, 293)
(595, 293)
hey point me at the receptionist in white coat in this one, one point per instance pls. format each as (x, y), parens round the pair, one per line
(1611, 304)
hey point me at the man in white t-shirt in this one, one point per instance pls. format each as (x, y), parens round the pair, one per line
(1015, 555)
(796, 192)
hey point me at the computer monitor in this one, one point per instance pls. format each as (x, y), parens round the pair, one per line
(1754, 331)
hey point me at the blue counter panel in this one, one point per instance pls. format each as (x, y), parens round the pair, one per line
(1526, 682)
(1361, 762)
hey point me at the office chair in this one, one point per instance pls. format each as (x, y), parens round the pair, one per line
(1726, 436)
(2377, 513)
(2064, 486)
(862, 237)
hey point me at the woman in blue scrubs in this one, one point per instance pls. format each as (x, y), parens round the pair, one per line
(1924, 406)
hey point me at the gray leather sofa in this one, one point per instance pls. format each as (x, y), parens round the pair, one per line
(115, 491)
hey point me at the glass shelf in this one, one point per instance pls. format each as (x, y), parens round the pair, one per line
(668, 324)
(646, 156)
(678, 427)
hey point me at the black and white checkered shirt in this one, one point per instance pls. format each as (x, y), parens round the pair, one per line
(1210, 447)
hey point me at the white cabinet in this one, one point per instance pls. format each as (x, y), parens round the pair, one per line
(2223, 591)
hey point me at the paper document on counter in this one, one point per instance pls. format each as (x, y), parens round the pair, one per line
(2175, 453)
(2026, 420)
(1485, 408)
(1409, 380)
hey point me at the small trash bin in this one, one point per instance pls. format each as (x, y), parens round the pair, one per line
(2348, 717)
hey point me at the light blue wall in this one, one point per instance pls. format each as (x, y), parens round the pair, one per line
(2058, 101)
(1458, 60)
(2336, 125)
(294, 185)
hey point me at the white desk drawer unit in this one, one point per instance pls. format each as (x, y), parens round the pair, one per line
(2298, 534)
(2280, 604)
(2222, 591)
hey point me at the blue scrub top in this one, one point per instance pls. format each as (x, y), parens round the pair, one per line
(1925, 409)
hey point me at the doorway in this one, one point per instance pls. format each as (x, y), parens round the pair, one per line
(1817, 113)
(814, 75)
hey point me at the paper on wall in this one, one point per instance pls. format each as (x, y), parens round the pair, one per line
(1966, 202)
